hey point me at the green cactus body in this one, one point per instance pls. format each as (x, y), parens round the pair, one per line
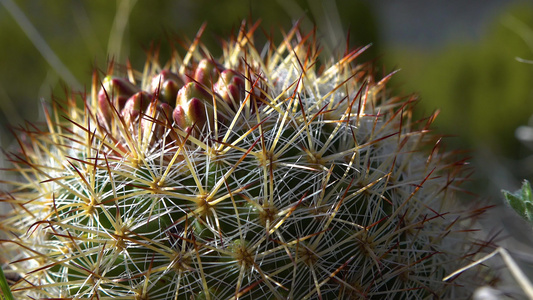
(256, 176)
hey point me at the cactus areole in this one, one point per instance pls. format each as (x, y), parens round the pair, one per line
(267, 173)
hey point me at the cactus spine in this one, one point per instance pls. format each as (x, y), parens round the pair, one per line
(261, 175)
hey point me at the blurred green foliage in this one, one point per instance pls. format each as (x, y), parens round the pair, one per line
(482, 91)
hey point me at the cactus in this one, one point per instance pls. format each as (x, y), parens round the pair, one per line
(265, 174)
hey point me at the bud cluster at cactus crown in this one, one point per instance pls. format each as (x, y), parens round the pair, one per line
(264, 174)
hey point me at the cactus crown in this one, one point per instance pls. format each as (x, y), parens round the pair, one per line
(266, 174)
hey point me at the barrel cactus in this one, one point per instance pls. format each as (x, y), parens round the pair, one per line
(265, 174)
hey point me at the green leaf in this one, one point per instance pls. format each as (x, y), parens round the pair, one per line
(526, 192)
(4, 287)
(521, 201)
(529, 211)
(515, 202)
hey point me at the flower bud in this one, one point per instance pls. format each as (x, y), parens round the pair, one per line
(134, 105)
(192, 90)
(157, 120)
(230, 86)
(166, 85)
(190, 106)
(207, 72)
(114, 91)
(178, 115)
(195, 111)
(259, 92)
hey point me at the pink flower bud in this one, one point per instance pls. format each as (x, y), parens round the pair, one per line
(193, 107)
(157, 120)
(114, 91)
(192, 90)
(178, 115)
(134, 105)
(166, 86)
(207, 72)
(195, 111)
(230, 86)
